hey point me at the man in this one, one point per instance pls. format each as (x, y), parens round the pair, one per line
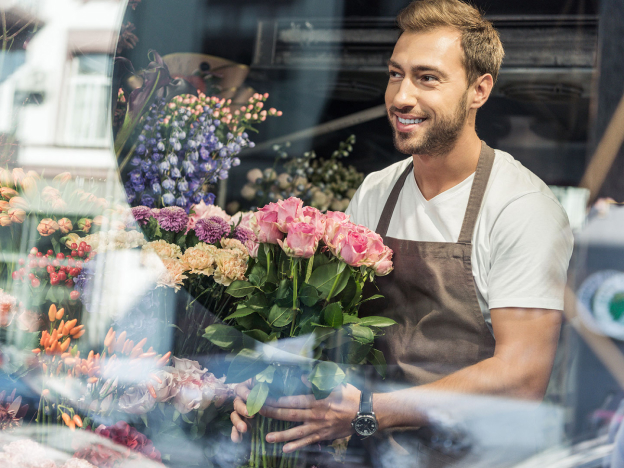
(481, 246)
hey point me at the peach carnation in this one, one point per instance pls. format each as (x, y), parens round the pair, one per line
(201, 259)
(164, 249)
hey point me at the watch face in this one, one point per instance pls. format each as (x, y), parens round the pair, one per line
(365, 425)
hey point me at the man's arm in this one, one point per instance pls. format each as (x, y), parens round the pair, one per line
(526, 342)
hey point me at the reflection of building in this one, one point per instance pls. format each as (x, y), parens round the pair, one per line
(55, 103)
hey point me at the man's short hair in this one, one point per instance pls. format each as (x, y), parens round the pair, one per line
(481, 44)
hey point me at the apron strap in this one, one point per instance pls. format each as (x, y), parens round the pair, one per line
(479, 184)
(386, 214)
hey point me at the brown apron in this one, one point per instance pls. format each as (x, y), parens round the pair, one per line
(431, 294)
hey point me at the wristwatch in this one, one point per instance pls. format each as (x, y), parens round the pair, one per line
(365, 422)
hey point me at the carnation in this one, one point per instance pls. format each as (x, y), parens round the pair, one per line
(212, 229)
(201, 258)
(172, 218)
(142, 214)
(163, 249)
(231, 266)
(235, 244)
(173, 276)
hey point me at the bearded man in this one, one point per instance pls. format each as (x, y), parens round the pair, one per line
(481, 245)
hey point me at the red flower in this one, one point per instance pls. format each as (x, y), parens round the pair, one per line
(123, 434)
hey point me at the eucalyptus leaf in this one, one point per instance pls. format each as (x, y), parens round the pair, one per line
(280, 316)
(326, 376)
(221, 335)
(245, 365)
(377, 359)
(240, 288)
(257, 397)
(376, 321)
(361, 333)
(332, 315)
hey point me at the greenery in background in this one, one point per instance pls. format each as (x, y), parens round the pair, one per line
(321, 183)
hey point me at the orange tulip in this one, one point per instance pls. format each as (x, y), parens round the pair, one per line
(17, 215)
(8, 193)
(47, 227)
(5, 220)
(63, 178)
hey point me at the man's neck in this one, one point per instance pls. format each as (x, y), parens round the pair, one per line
(437, 174)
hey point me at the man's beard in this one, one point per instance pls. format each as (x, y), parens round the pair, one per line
(439, 139)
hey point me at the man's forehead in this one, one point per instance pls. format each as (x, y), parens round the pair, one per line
(440, 47)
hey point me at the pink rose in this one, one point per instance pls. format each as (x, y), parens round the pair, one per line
(288, 211)
(264, 224)
(317, 219)
(242, 219)
(252, 248)
(300, 241)
(384, 264)
(375, 248)
(351, 246)
(333, 220)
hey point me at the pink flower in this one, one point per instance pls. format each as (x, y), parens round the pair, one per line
(18, 175)
(351, 246)
(384, 264)
(244, 218)
(288, 211)
(264, 224)
(252, 248)
(317, 219)
(203, 211)
(333, 220)
(65, 225)
(301, 240)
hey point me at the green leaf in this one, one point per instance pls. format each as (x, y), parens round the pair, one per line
(266, 375)
(240, 312)
(240, 288)
(376, 321)
(372, 298)
(355, 352)
(284, 294)
(324, 277)
(348, 318)
(221, 335)
(181, 241)
(332, 315)
(309, 295)
(254, 322)
(257, 397)
(377, 359)
(191, 239)
(257, 335)
(244, 366)
(257, 302)
(349, 292)
(280, 316)
(361, 334)
(326, 376)
(320, 260)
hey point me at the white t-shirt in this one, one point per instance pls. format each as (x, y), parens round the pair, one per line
(522, 241)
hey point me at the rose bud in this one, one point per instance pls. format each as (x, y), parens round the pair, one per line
(4, 205)
(5, 220)
(18, 175)
(17, 215)
(84, 224)
(63, 178)
(8, 193)
(47, 227)
(18, 202)
(65, 225)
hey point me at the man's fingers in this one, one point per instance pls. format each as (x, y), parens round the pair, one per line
(242, 389)
(296, 445)
(287, 414)
(240, 407)
(238, 422)
(294, 433)
(297, 401)
(236, 437)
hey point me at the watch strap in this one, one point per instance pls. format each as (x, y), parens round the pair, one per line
(366, 402)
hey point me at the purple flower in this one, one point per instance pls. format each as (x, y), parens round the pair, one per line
(147, 200)
(142, 214)
(212, 229)
(168, 199)
(173, 219)
(243, 234)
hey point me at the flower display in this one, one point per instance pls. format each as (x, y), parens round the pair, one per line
(212, 229)
(321, 183)
(172, 219)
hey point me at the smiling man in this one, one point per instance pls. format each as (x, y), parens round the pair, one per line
(481, 245)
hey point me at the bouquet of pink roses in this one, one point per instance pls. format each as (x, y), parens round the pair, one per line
(304, 282)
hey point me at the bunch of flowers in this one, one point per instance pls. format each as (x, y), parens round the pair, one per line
(187, 144)
(320, 183)
(11, 411)
(307, 280)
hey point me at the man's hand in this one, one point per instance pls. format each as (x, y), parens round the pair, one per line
(326, 419)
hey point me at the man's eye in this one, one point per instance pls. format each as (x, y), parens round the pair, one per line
(394, 74)
(429, 78)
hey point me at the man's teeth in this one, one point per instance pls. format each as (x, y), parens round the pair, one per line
(409, 121)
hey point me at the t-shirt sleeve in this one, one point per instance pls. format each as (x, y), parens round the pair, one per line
(531, 244)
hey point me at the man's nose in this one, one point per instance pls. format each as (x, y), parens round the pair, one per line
(407, 95)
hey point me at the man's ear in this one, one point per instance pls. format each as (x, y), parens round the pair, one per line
(482, 87)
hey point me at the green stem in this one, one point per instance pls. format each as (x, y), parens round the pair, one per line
(333, 288)
(252, 449)
(309, 270)
(263, 442)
